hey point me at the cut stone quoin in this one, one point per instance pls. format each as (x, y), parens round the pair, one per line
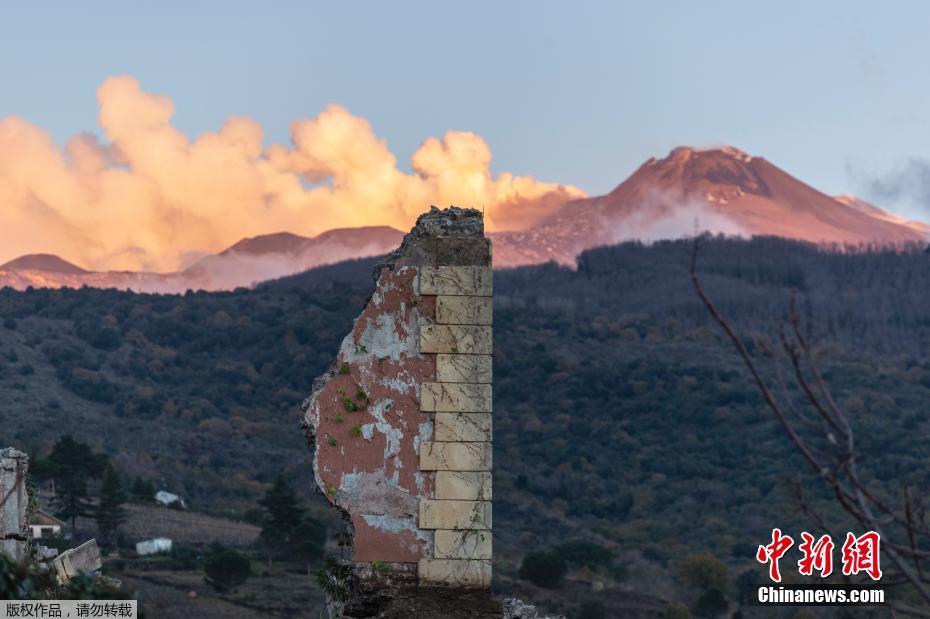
(451, 368)
(460, 339)
(435, 456)
(456, 515)
(463, 485)
(455, 398)
(456, 280)
(462, 544)
(464, 310)
(462, 427)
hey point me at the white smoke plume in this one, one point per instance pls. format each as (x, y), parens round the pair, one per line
(149, 198)
(668, 217)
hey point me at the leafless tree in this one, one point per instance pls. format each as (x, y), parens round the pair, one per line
(821, 431)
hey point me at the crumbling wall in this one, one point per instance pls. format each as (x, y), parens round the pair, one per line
(14, 521)
(402, 422)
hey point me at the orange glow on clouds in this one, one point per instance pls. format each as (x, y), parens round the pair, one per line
(151, 199)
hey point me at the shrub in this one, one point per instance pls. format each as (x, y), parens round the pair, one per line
(543, 569)
(677, 610)
(226, 569)
(186, 557)
(592, 609)
(704, 571)
(583, 552)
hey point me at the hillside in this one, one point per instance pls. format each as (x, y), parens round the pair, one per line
(620, 415)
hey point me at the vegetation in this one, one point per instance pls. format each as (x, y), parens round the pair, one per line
(543, 569)
(71, 465)
(622, 416)
(109, 512)
(286, 529)
(226, 569)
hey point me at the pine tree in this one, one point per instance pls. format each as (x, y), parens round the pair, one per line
(110, 513)
(71, 464)
(143, 491)
(309, 539)
(283, 514)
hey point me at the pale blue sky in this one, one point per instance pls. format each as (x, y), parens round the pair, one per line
(580, 92)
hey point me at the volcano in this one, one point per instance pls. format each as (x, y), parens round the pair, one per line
(720, 190)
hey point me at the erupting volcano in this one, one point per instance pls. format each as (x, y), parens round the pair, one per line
(720, 190)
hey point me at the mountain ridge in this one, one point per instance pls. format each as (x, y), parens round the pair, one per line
(719, 189)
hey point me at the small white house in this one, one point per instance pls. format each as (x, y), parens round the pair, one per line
(153, 546)
(44, 525)
(164, 497)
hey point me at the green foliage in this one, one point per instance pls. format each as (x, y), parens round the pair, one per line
(344, 368)
(308, 539)
(226, 569)
(334, 579)
(109, 512)
(712, 603)
(583, 552)
(592, 609)
(704, 572)
(71, 465)
(543, 569)
(617, 403)
(283, 514)
(677, 610)
(186, 557)
(143, 490)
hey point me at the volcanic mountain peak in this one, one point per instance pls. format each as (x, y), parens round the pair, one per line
(48, 263)
(276, 243)
(686, 152)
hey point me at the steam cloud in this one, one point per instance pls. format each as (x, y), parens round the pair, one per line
(910, 183)
(673, 216)
(148, 198)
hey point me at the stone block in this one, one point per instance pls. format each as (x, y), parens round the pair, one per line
(463, 310)
(446, 514)
(462, 545)
(455, 398)
(462, 339)
(451, 368)
(435, 456)
(452, 251)
(463, 485)
(462, 427)
(85, 559)
(455, 572)
(467, 281)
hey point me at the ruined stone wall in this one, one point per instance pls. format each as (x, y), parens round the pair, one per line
(14, 516)
(401, 424)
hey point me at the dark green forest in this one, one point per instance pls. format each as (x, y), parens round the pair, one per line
(621, 414)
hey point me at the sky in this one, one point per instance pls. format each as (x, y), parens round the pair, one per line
(571, 93)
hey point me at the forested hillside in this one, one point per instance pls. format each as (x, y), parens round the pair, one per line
(621, 416)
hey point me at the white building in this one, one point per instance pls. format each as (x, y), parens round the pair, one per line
(168, 498)
(153, 546)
